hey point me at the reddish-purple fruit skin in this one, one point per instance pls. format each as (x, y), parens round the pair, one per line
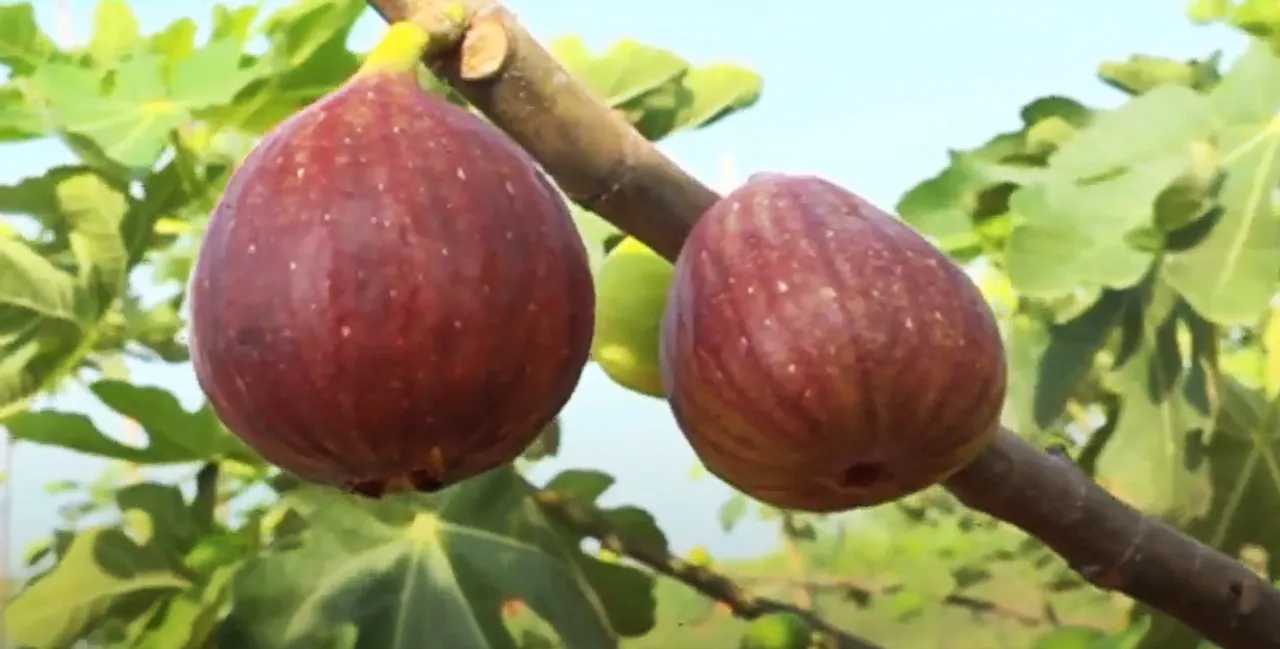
(390, 294)
(820, 355)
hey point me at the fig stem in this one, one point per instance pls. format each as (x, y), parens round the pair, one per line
(398, 50)
(597, 158)
(431, 30)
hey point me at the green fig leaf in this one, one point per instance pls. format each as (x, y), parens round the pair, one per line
(415, 566)
(189, 619)
(1152, 126)
(1145, 461)
(1231, 273)
(547, 444)
(583, 484)
(213, 75)
(717, 91)
(732, 511)
(175, 42)
(115, 32)
(23, 46)
(102, 565)
(624, 73)
(174, 435)
(1142, 73)
(1072, 234)
(1208, 11)
(1050, 359)
(627, 593)
(130, 123)
(1260, 18)
(131, 119)
(46, 311)
(234, 22)
(19, 118)
(306, 57)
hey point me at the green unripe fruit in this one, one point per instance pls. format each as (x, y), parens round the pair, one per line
(777, 631)
(631, 293)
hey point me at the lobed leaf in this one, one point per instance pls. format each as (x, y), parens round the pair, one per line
(23, 46)
(403, 569)
(48, 310)
(174, 435)
(101, 565)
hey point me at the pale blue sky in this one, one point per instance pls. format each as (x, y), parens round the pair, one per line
(869, 94)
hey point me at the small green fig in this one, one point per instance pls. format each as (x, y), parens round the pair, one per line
(777, 631)
(631, 292)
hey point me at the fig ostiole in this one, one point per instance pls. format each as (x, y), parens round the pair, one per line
(820, 355)
(390, 295)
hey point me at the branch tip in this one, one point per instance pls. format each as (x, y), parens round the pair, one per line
(485, 48)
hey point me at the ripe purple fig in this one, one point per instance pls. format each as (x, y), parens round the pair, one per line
(820, 355)
(390, 295)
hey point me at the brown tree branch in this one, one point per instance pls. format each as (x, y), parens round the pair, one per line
(589, 521)
(1115, 547)
(607, 167)
(862, 591)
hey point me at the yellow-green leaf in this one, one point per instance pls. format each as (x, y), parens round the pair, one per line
(101, 565)
(115, 32)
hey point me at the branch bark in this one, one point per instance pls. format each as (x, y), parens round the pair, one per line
(1115, 547)
(589, 521)
(607, 167)
(860, 591)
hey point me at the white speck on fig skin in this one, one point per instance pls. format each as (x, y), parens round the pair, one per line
(401, 298)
